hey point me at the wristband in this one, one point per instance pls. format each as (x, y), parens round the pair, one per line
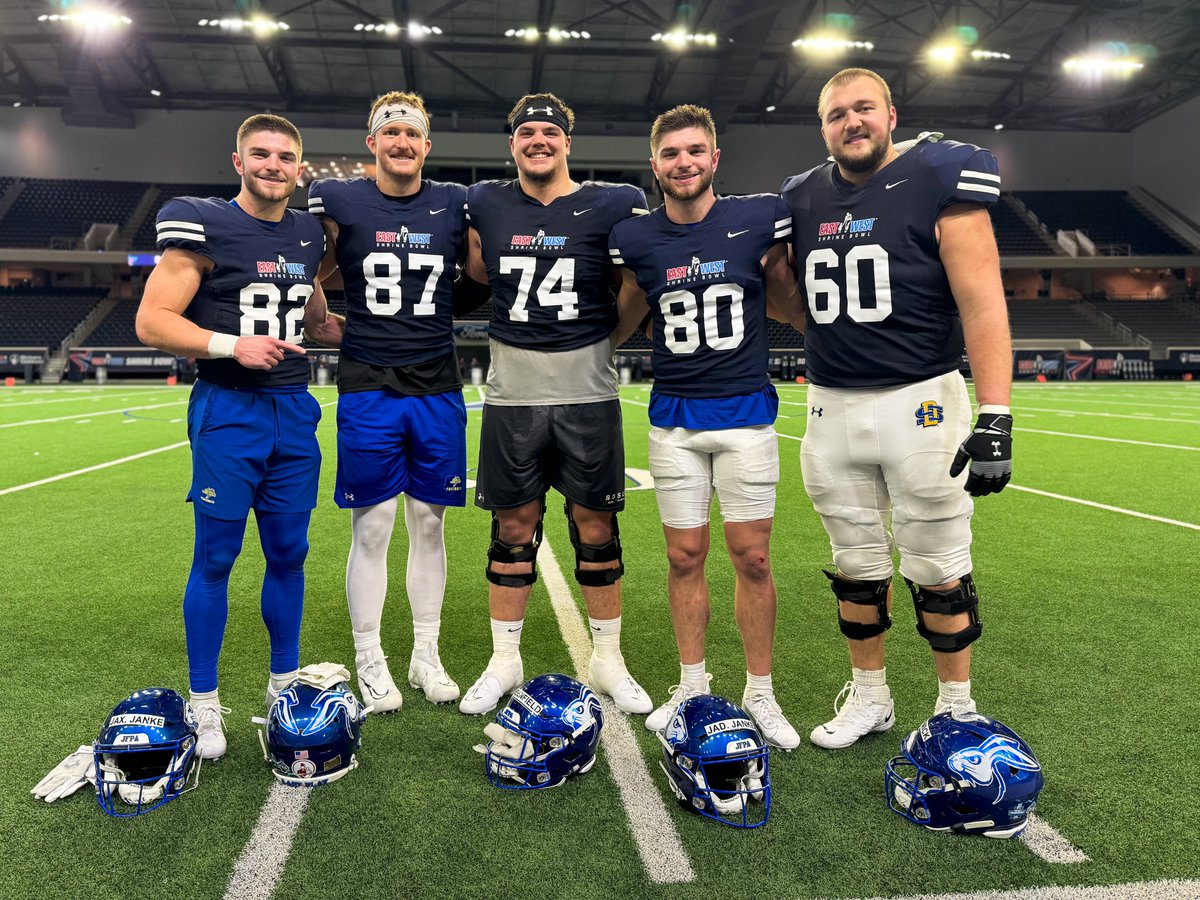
(994, 409)
(221, 346)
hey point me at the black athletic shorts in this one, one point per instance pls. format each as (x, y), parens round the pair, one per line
(577, 449)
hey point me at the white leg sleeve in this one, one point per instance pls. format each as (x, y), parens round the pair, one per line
(426, 580)
(366, 569)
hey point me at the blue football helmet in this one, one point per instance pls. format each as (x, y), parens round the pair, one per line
(146, 752)
(313, 733)
(716, 761)
(548, 731)
(970, 775)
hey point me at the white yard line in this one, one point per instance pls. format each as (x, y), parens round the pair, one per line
(1041, 837)
(654, 832)
(95, 468)
(1103, 415)
(108, 412)
(1112, 440)
(1136, 890)
(1117, 509)
(259, 866)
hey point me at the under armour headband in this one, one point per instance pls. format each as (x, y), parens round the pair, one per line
(399, 114)
(548, 112)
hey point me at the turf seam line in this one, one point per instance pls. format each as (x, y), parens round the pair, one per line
(654, 832)
(95, 468)
(258, 868)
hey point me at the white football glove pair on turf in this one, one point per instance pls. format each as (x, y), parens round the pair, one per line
(78, 769)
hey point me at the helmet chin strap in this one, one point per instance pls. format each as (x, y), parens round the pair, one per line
(135, 794)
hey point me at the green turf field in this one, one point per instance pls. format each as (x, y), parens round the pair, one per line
(1090, 619)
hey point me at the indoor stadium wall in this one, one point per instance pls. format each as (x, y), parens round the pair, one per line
(194, 147)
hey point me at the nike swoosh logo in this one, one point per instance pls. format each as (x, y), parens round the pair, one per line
(434, 212)
(305, 243)
(734, 234)
(511, 630)
(580, 212)
(888, 187)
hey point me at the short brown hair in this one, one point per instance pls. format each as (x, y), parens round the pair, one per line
(269, 122)
(845, 77)
(403, 98)
(544, 97)
(684, 116)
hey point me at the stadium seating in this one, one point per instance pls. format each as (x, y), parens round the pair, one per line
(144, 236)
(1108, 218)
(1014, 235)
(117, 328)
(43, 317)
(1158, 320)
(64, 209)
(1056, 320)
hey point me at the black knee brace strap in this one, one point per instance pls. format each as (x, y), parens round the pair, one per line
(500, 552)
(864, 593)
(961, 599)
(596, 553)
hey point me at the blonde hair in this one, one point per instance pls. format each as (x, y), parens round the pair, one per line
(269, 122)
(402, 98)
(683, 116)
(845, 77)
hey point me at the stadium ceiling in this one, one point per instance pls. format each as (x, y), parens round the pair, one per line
(336, 55)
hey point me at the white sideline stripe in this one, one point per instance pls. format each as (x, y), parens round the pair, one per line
(96, 468)
(1111, 440)
(635, 402)
(1103, 415)
(107, 412)
(1168, 889)
(259, 866)
(10, 405)
(654, 833)
(1105, 506)
(1040, 837)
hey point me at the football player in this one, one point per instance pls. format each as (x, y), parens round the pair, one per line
(236, 288)
(552, 417)
(705, 265)
(401, 417)
(894, 251)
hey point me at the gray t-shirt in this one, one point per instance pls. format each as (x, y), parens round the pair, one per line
(521, 377)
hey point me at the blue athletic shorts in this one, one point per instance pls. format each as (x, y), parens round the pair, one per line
(390, 444)
(253, 449)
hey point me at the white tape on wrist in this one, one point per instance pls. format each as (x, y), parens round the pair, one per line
(221, 346)
(994, 409)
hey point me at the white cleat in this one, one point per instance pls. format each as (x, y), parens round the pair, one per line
(497, 680)
(610, 677)
(375, 683)
(958, 709)
(427, 674)
(855, 716)
(271, 696)
(776, 729)
(661, 717)
(210, 730)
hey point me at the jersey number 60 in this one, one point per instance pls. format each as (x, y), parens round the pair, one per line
(824, 294)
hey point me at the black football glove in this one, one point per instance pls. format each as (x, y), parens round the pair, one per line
(989, 450)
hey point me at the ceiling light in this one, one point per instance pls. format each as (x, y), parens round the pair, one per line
(1101, 66)
(95, 19)
(999, 126)
(155, 92)
(771, 108)
(679, 38)
(824, 43)
(989, 54)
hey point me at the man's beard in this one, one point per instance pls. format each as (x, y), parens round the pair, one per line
(542, 176)
(258, 191)
(866, 163)
(703, 184)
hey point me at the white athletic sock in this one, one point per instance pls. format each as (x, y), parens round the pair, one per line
(282, 679)
(954, 691)
(692, 675)
(366, 570)
(872, 683)
(606, 637)
(208, 698)
(759, 684)
(506, 639)
(425, 576)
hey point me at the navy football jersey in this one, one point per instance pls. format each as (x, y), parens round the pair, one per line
(548, 265)
(880, 310)
(706, 291)
(262, 277)
(397, 256)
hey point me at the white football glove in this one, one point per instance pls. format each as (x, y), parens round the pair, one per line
(505, 743)
(78, 769)
(324, 675)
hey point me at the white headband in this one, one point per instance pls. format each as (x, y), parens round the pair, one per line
(396, 114)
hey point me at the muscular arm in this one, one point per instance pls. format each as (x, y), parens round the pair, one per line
(968, 251)
(161, 323)
(329, 260)
(784, 303)
(631, 306)
(320, 325)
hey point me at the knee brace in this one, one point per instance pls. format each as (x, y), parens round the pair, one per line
(961, 599)
(864, 593)
(500, 552)
(596, 553)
